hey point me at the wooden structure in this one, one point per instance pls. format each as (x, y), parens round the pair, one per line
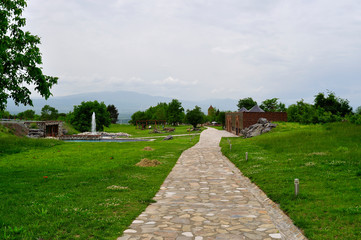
(144, 124)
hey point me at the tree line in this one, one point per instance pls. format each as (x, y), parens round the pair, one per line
(325, 108)
(174, 114)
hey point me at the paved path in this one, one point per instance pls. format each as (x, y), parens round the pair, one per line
(206, 197)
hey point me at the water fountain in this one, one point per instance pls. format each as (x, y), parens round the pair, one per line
(94, 125)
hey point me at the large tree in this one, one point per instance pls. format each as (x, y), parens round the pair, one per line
(333, 104)
(246, 103)
(113, 111)
(195, 116)
(19, 57)
(175, 112)
(272, 105)
(81, 117)
(49, 113)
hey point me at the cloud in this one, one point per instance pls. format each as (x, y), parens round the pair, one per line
(174, 81)
(232, 49)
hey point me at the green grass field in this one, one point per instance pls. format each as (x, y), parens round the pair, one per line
(136, 132)
(55, 190)
(327, 161)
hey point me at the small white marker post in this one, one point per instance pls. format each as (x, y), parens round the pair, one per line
(297, 186)
(246, 156)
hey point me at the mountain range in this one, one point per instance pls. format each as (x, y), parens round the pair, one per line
(125, 101)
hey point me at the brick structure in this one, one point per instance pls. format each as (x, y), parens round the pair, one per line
(236, 121)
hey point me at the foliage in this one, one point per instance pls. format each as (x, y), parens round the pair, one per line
(5, 114)
(113, 111)
(326, 109)
(63, 191)
(20, 57)
(333, 104)
(326, 159)
(27, 114)
(195, 116)
(48, 113)
(175, 112)
(272, 105)
(358, 110)
(81, 116)
(354, 118)
(301, 112)
(246, 103)
(221, 118)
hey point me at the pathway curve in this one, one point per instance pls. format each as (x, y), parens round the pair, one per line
(206, 197)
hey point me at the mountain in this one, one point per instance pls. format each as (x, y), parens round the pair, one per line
(126, 102)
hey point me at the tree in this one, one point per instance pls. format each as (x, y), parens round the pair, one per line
(113, 111)
(48, 113)
(272, 105)
(19, 58)
(333, 104)
(27, 114)
(175, 112)
(221, 118)
(358, 110)
(195, 116)
(246, 103)
(81, 116)
(302, 112)
(137, 116)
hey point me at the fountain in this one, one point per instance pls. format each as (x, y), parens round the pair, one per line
(94, 126)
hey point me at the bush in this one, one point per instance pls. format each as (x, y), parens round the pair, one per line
(81, 117)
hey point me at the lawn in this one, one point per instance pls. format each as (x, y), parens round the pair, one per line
(136, 132)
(327, 161)
(55, 190)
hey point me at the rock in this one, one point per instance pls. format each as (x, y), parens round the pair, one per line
(169, 137)
(262, 126)
(262, 121)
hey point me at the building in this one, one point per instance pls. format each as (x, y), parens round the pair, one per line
(236, 121)
(45, 128)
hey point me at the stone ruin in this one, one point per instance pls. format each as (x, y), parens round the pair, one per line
(262, 126)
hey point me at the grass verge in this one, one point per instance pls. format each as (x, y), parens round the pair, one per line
(326, 159)
(59, 190)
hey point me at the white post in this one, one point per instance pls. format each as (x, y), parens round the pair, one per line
(246, 156)
(297, 186)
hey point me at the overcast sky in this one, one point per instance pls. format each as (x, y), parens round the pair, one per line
(199, 49)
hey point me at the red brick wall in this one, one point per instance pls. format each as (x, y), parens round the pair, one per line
(250, 118)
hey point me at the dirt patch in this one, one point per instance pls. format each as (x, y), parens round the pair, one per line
(145, 162)
(148, 149)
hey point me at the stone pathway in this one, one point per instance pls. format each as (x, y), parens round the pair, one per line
(206, 197)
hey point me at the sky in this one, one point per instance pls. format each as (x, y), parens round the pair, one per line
(201, 49)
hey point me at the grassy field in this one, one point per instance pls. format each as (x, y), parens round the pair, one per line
(55, 190)
(136, 132)
(327, 161)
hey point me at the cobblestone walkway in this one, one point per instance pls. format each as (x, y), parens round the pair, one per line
(206, 197)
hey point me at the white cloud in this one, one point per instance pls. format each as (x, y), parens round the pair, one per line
(174, 81)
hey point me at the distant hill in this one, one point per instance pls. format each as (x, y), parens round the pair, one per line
(126, 102)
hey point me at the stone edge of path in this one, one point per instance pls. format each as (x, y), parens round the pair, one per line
(285, 225)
